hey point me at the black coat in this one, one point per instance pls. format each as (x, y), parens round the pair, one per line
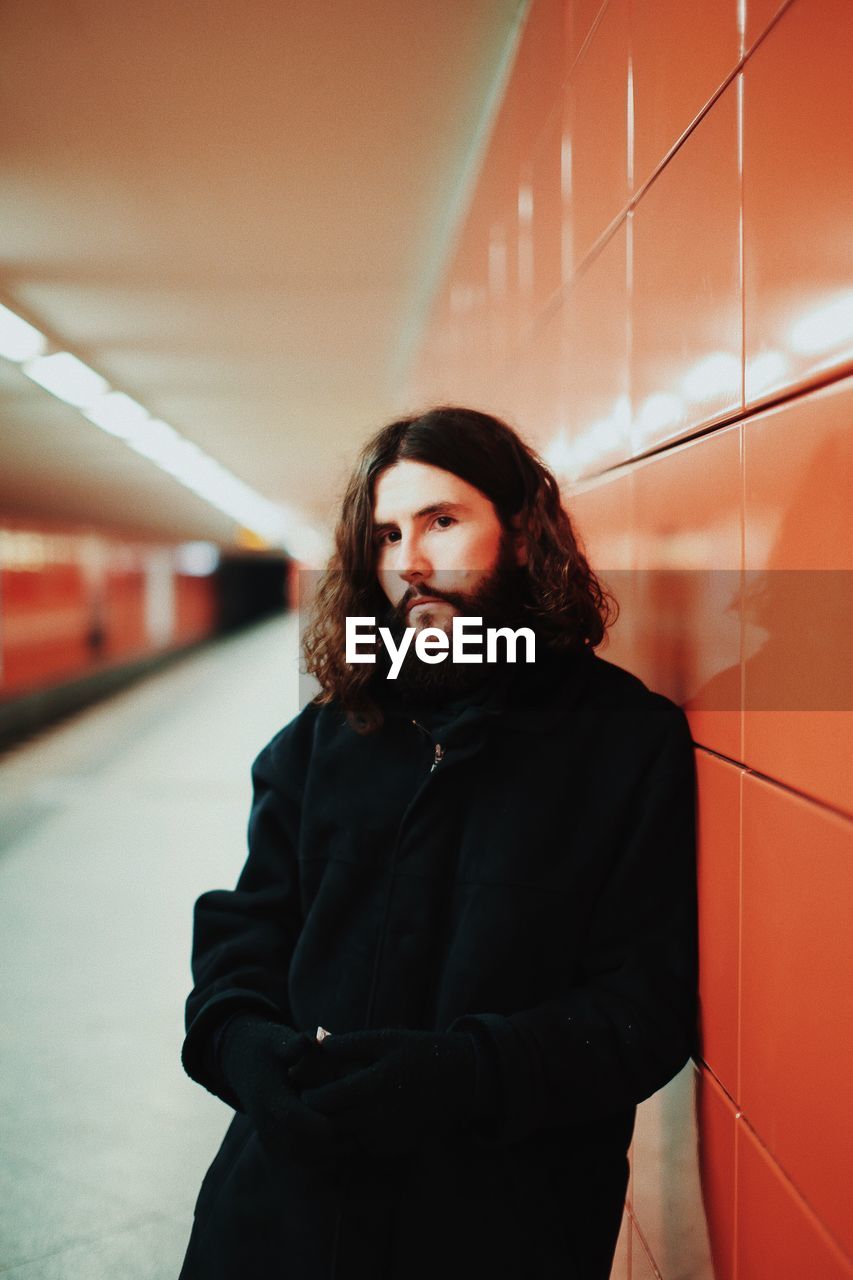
(542, 877)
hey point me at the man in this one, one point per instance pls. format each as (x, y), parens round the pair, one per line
(479, 879)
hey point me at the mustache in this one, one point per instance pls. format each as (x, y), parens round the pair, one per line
(498, 597)
(413, 596)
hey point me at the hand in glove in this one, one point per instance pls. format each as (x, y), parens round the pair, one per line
(255, 1056)
(396, 1088)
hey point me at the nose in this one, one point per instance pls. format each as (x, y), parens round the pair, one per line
(418, 566)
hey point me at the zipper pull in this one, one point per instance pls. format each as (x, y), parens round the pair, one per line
(438, 752)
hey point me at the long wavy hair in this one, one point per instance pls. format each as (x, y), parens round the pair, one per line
(563, 599)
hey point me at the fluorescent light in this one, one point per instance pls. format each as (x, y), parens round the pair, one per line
(72, 381)
(172, 453)
(156, 440)
(118, 414)
(67, 378)
(303, 542)
(19, 340)
(197, 559)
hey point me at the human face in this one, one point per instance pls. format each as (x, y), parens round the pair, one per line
(438, 540)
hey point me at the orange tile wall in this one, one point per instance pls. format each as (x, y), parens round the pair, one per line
(73, 601)
(654, 282)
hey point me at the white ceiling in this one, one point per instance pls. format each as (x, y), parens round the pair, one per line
(236, 213)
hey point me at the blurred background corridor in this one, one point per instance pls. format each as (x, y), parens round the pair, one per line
(112, 825)
(235, 241)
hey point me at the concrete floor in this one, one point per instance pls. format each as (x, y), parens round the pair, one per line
(110, 827)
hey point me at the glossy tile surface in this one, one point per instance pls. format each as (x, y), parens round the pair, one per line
(545, 180)
(602, 513)
(798, 199)
(686, 310)
(595, 369)
(542, 54)
(798, 546)
(469, 312)
(778, 1236)
(597, 117)
(582, 15)
(716, 1118)
(575, 320)
(534, 97)
(758, 16)
(718, 866)
(542, 404)
(796, 1035)
(687, 539)
(681, 52)
(495, 207)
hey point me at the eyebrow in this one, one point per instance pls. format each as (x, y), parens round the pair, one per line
(434, 509)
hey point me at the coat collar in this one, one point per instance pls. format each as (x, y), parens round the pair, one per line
(531, 697)
(540, 695)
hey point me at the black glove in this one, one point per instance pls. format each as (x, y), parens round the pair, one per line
(398, 1088)
(255, 1056)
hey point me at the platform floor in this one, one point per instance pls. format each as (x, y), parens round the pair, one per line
(110, 826)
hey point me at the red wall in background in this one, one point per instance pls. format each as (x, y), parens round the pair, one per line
(73, 601)
(195, 609)
(653, 282)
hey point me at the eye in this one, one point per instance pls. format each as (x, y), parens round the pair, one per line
(382, 538)
(452, 520)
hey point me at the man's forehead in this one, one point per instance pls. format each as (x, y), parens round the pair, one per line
(408, 488)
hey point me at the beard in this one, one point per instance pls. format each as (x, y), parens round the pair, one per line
(499, 600)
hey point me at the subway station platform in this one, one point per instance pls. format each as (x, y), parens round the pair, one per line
(110, 826)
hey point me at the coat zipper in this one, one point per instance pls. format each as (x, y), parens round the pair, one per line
(437, 757)
(438, 751)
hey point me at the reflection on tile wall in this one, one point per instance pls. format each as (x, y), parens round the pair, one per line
(653, 281)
